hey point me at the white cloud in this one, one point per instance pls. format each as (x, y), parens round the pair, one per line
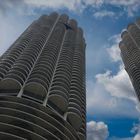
(56, 4)
(94, 3)
(137, 137)
(123, 2)
(101, 103)
(97, 131)
(117, 85)
(130, 6)
(114, 50)
(103, 13)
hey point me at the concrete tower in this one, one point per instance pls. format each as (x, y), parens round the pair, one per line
(42, 82)
(130, 52)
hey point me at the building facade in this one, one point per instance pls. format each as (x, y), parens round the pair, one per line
(42, 82)
(130, 53)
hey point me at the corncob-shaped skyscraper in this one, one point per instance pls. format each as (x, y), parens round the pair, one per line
(42, 82)
(130, 52)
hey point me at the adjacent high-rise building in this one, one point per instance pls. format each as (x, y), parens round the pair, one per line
(42, 82)
(130, 52)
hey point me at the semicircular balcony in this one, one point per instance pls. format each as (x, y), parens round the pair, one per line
(63, 73)
(5, 64)
(40, 78)
(62, 78)
(3, 71)
(12, 56)
(47, 65)
(5, 135)
(58, 99)
(10, 84)
(43, 71)
(82, 130)
(82, 136)
(35, 90)
(62, 81)
(61, 88)
(20, 132)
(9, 57)
(24, 62)
(73, 118)
(21, 70)
(14, 76)
(59, 83)
(22, 66)
(44, 113)
(12, 111)
(48, 58)
(77, 93)
(73, 105)
(9, 60)
(76, 97)
(75, 100)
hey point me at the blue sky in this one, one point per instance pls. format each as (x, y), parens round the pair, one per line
(112, 108)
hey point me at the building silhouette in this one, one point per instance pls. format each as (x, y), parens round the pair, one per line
(130, 53)
(42, 82)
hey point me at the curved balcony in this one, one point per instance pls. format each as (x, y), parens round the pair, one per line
(61, 84)
(58, 99)
(4, 136)
(10, 58)
(35, 89)
(28, 125)
(75, 100)
(74, 108)
(19, 132)
(62, 78)
(76, 89)
(2, 71)
(82, 136)
(43, 71)
(32, 118)
(73, 118)
(15, 76)
(27, 63)
(77, 93)
(75, 97)
(82, 130)
(9, 84)
(20, 69)
(16, 72)
(41, 76)
(60, 88)
(7, 64)
(38, 110)
(43, 64)
(22, 66)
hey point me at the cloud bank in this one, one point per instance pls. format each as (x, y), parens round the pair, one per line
(97, 131)
(128, 6)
